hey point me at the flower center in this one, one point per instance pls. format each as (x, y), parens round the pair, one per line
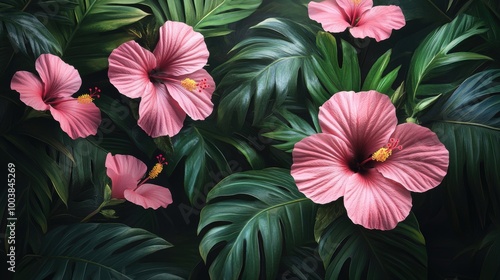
(192, 85)
(87, 98)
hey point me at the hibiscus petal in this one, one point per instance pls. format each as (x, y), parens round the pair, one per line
(421, 164)
(197, 102)
(376, 202)
(159, 113)
(365, 120)
(149, 196)
(321, 167)
(379, 22)
(129, 68)
(77, 120)
(125, 172)
(180, 49)
(329, 14)
(60, 79)
(30, 89)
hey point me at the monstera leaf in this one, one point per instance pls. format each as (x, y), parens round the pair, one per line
(352, 252)
(468, 124)
(263, 71)
(209, 17)
(206, 163)
(95, 28)
(287, 128)
(95, 251)
(250, 219)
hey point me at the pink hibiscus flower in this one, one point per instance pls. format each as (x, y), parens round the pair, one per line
(53, 91)
(362, 19)
(364, 156)
(126, 173)
(170, 80)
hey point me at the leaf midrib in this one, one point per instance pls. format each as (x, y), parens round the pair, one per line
(208, 14)
(79, 23)
(470, 124)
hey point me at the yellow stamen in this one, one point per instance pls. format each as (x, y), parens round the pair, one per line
(85, 99)
(382, 154)
(189, 84)
(157, 169)
(356, 2)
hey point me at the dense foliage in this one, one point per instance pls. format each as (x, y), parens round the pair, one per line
(236, 211)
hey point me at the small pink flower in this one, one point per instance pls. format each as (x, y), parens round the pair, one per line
(364, 156)
(53, 91)
(170, 80)
(126, 173)
(362, 19)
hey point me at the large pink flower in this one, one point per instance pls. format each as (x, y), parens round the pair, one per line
(170, 80)
(362, 19)
(126, 173)
(364, 156)
(53, 91)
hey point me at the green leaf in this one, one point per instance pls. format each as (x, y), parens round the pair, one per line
(302, 263)
(349, 249)
(244, 146)
(13, 4)
(432, 58)
(43, 161)
(86, 175)
(336, 72)
(96, 27)
(287, 128)
(417, 9)
(121, 116)
(426, 102)
(209, 17)
(263, 71)
(27, 34)
(468, 124)
(250, 219)
(95, 251)
(375, 80)
(326, 214)
(490, 243)
(200, 155)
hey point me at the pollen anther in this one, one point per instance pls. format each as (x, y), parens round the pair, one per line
(88, 98)
(382, 154)
(189, 84)
(158, 168)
